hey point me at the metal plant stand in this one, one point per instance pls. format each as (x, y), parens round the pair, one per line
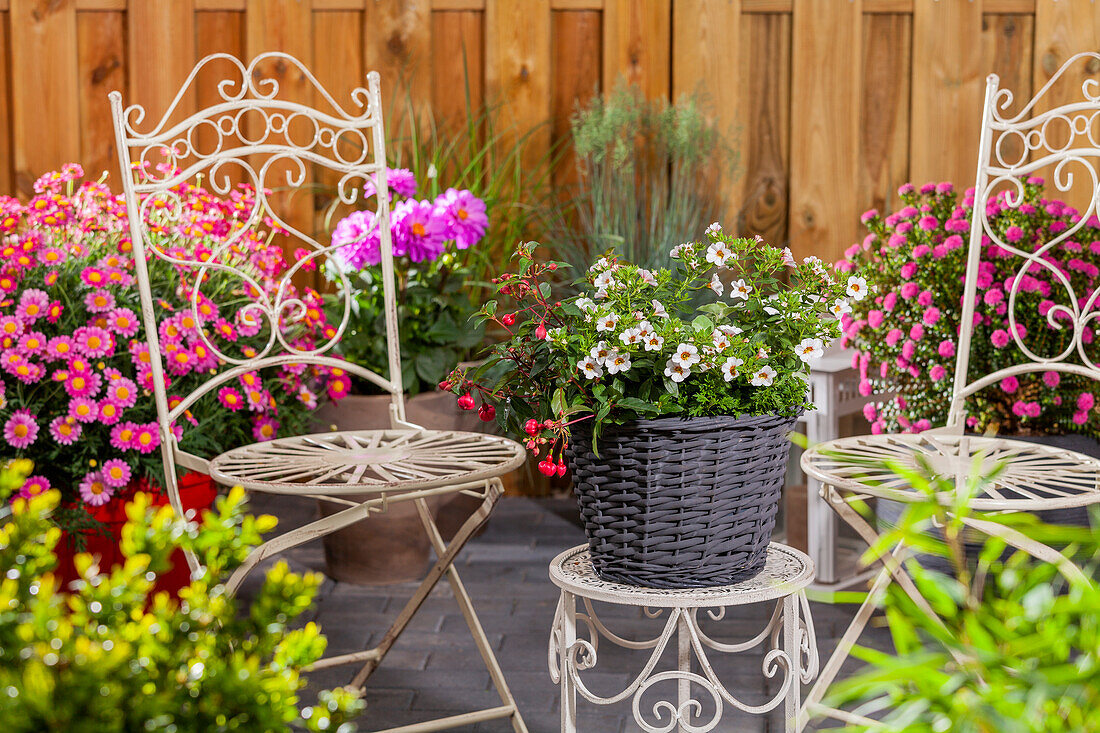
(788, 638)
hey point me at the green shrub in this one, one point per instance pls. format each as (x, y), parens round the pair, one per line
(116, 656)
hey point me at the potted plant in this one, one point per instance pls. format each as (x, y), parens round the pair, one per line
(117, 656)
(75, 390)
(669, 393)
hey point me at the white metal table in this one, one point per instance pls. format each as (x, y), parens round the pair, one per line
(788, 638)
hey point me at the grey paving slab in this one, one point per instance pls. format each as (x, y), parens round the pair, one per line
(434, 669)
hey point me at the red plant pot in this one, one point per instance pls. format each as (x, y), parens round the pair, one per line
(196, 492)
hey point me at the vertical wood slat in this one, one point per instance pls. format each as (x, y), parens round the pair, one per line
(458, 45)
(163, 30)
(948, 88)
(636, 45)
(101, 44)
(517, 73)
(824, 126)
(397, 43)
(705, 57)
(765, 101)
(576, 79)
(45, 88)
(884, 125)
(6, 168)
(1007, 51)
(1061, 30)
(217, 32)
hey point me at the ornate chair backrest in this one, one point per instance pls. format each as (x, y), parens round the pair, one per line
(253, 132)
(1065, 139)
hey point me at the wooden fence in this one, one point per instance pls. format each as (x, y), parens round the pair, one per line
(836, 102)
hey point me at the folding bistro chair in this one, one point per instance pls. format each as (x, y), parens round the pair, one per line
(255, 132)
(1036, 477)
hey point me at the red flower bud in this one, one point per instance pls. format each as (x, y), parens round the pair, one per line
(505, 289)
(445, 386)
(547, 468)
(552, 266)
(561, 468)
(466, 401)
(508, 319)
(540, 332)
(531, 427)
(486, 412)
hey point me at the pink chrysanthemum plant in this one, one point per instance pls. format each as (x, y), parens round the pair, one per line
(731, 329)
(434, 246)
(905, 335)
(75, 371)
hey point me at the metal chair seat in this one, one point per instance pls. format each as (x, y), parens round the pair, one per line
(1035, 477)
(367, 461)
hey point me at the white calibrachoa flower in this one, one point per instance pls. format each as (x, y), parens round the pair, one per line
(645, 328)
(714, 229)
(601, 264)
(586, 304)
(771, 310)
(631, 336)
(676, 372)
(659, 309)
(729, 368)
(716, 284)
(607, 322)
(719, 253)
(647, 277)
(600, 352)
(730, 330)
(653, 342)
(590, 368)
(810, 348)
(788, 258)
(686, 355)
(604, 281)
(740, 289)
(857, 287)
(816, 263)
(720, 339)
(840, 306)
(763, 377)
(617, 362)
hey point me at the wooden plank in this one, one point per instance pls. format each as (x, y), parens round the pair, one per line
(884, 124)
(894, 6)
(45, 88)
(517, 74)
(287, 26)
(397, 42)
(161, 55)
(763, 189)
(824, 126)
(1063, 29)
(705, 55)
(1008, 51)
(636, 41)
(576, 78)
(101, 41)
(217, 32)
(948, 87)
(7, 171)
(458, 4)
(458, 46)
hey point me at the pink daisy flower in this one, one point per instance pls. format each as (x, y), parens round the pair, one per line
(146, 438)
(93, 277)
(99, 300)
(33, 342)
(83, 409)
(32, 305)
(122, 391)
(122, 435)
(65, 430)
(33, 486)
(256, 398)
(94, 490)
(82, 383)
(59, 347)
(339, 387)
(230, 398)
(109, 412)
(225, 329)
(116, 473)
(21, 429)
(123, 322)
(11, 326)
(265, 428)
(95, 342)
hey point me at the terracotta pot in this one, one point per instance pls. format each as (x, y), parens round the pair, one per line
(391, 547)
(196, 492)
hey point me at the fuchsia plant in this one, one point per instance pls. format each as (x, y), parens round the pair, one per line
(906, 336)
(75, 375)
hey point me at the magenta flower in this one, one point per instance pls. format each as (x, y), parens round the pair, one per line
(123, 322)
(400, 181)
(1085, 401)
(916, 332)
(265, 428)
(1051, 379)
(32, 343)
(1000, 338)
(925, 298)
(909, 290)
(32, 305)
(65, 430)
(122, 435)
(230, 398)
(1010, 384)
(418, 230)
(1014, 234)
(936, 373)
(116, 473)
(358, 240)
(874, 318)
(946, 348)
(893, 336)
(928, 223)
(95, 342)
(146, 438)
(83, 409)
(1080, 418)
(931, 316)
(33, 486)
(94, 490)
(122, 391)
(82, 383)
(99, 301)
(21, 429)
(464, 216)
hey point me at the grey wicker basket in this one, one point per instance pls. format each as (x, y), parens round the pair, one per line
(681, 503)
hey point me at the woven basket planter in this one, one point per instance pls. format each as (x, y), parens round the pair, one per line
(681, 503)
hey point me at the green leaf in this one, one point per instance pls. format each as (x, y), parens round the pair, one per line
(544, 288)
(444, 330)
(557, 402)
(702, 323)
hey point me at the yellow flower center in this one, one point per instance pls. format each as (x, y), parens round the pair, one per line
(20, 431)
(418, 229)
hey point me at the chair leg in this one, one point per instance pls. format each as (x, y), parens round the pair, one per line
(467, 606)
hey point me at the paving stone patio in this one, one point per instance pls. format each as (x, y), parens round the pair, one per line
(434, 670)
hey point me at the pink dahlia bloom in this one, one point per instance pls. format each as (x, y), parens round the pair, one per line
(357, 237)
(419, 230)
(464, 216)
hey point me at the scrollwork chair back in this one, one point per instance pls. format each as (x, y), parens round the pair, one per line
(1011, 148)
(256, 134)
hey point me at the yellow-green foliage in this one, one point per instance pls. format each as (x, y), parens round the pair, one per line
(115, 656)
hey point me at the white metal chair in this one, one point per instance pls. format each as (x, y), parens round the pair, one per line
(1037, 477)
(367, 471)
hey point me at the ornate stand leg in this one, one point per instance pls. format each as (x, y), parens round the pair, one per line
(568, 610)
(794, 655)
(683, 696)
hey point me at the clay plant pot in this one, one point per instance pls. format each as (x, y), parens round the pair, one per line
(392, 547)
